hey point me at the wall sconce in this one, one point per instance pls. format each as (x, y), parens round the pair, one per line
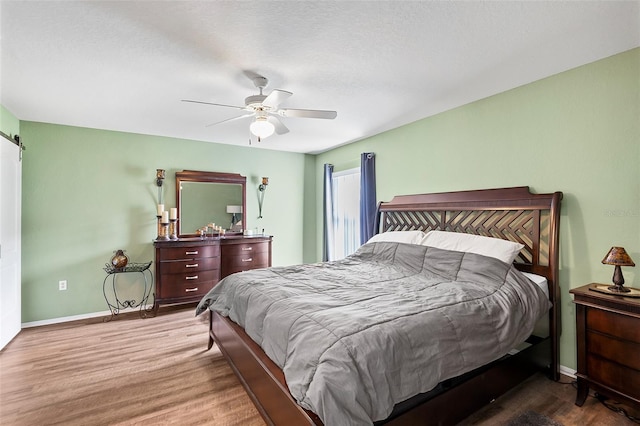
(262, 188)
(235, 212)
(159, 181)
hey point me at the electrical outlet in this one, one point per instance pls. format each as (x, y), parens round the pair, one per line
(62, 285)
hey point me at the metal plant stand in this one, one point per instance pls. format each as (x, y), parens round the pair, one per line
(118, 304)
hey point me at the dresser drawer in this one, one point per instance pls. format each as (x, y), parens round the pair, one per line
(612, 349)
(242, 249)
(231, 264)
(190, 266)
(188, 285)
(177, 253)
(618, 325)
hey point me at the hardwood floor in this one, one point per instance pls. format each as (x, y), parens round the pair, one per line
(157, 371)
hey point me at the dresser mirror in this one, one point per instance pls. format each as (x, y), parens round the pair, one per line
(207, 197)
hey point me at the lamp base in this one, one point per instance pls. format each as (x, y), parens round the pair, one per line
(618, 289)
(612, 290)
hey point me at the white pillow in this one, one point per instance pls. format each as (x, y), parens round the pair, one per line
(502, 250)
(409, 237)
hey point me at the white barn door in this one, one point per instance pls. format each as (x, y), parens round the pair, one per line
(10, 208)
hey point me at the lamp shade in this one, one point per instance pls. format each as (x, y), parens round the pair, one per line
(618, 256)
(262, 128)
(234, 209)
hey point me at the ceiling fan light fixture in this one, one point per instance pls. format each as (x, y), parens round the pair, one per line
(262, 128)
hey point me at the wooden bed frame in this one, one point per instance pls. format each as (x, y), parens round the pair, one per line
(509, 213)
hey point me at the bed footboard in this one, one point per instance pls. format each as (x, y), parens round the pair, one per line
(261, 377)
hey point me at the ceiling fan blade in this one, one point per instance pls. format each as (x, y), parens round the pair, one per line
(211, 103)
(276, 97)
(308, 113)
(231, 119)
(280, 128)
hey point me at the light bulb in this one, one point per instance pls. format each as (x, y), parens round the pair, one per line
(262, 128)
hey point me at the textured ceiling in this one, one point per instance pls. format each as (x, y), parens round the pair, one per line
(126, 65)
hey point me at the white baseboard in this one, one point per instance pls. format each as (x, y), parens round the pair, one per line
(72, 318)
(568, 371)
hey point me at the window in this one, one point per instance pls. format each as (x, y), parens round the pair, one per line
(346, 213)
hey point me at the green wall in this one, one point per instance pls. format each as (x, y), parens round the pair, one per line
(9, 124)
(89, 192)
(577, 132)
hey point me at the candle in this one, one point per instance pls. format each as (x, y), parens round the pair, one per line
(165, 217)
(173, 213)
(160, 209)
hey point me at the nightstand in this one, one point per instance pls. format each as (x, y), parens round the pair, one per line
(608, 342)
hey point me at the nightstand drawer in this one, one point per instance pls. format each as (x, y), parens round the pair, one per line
(625, 380)
(612, 348)
(618, 325)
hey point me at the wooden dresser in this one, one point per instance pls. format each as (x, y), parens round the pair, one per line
(188, 268)
(608, 342)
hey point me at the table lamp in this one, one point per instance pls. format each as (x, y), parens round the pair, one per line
(618, 257)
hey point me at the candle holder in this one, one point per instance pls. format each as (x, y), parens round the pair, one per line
(159, 217)
(163, 232)
(173, 229)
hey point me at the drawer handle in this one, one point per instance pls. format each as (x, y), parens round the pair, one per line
(191, 252)
(247, 260)
(195, 277)
(247, 248)
(190, 290)
(195, 265)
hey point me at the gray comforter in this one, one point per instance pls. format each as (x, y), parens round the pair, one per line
(356, 336)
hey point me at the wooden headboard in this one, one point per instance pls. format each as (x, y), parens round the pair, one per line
(513, 214)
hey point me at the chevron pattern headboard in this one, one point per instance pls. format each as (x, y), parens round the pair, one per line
(513, 214)
(527, 227)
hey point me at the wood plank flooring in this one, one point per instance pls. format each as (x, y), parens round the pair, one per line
(133, 371)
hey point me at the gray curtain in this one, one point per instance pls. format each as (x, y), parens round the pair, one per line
(327, 204)
(368, 205)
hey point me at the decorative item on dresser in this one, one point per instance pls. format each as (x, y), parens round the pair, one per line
(187, 268)
(608, 341)
(236, 222)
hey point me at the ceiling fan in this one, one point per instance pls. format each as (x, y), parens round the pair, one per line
(265, 109)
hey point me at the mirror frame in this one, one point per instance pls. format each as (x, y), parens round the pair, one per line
(211, 177)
